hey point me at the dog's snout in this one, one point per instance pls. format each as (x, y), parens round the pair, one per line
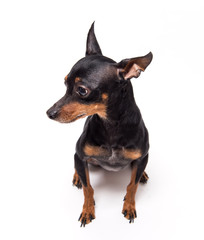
(52, 113)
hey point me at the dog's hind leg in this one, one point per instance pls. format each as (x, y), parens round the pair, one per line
(144, 178)
(76, 180)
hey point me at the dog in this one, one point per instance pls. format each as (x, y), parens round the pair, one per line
(114, 134)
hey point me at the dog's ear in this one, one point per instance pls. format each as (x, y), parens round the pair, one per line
(92, 46)
(132, 67)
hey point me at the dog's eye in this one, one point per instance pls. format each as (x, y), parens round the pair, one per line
(82, 91)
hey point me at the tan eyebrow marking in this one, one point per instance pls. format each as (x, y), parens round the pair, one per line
(77, 79)
(104, 96)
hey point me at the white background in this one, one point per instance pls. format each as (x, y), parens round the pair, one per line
(39, 43)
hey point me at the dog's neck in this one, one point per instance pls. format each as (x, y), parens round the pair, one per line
(122, 108)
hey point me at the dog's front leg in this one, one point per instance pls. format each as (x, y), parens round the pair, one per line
(138, 168)
(88, 212)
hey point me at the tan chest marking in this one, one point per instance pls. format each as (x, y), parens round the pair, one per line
(94, 150)
(98, 151)
(131, 154)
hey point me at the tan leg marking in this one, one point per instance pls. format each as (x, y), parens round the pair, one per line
(88, 212)
(129, 200)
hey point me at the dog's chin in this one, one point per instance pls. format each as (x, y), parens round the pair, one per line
(70, 120)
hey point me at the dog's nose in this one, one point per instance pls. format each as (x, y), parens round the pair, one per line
(52, 114)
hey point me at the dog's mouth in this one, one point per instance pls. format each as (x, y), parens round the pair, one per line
(70, 119)
(78, 117)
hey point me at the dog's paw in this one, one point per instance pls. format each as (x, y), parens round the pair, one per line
(87, 216)
(76, 181)
(144, 178)
(129, 211)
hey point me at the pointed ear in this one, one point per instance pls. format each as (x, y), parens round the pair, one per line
(92, 46)
(132, 67)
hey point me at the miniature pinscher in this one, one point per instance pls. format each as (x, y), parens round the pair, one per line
(114, 134)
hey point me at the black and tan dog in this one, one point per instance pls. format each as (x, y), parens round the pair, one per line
(114, 134)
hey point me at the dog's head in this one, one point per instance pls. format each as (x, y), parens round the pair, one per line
(91, 82)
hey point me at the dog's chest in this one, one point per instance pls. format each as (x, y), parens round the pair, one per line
(112, 159)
